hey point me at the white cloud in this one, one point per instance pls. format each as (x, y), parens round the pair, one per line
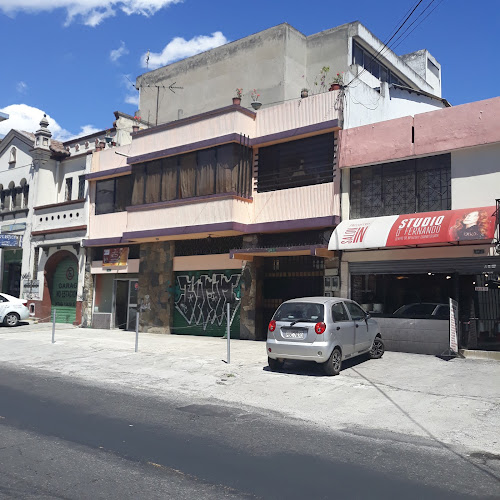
(115, 54)
(22, 87)
(89, 12)
(132, 95)
(27, 118)
(179, 48)
(132, 99)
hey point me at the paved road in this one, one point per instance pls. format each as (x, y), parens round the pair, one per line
(62, 439)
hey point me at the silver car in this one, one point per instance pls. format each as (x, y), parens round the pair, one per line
(322, 329)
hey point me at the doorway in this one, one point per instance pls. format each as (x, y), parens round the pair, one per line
(126, 303)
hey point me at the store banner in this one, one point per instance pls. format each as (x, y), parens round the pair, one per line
(11, 241)
(427, 228)
(115, 257)
(453, 325)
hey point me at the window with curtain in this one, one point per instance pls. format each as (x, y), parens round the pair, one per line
(222, 169)
(205, 174)
(139, 184)
(187, 175)
(153, 182)
(169, 187)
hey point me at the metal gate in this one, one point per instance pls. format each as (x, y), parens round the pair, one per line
(64, 290)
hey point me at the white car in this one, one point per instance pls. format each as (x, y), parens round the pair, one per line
(12, 310)
(322, 329)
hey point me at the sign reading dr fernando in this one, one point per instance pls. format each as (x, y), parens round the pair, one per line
(429, 228)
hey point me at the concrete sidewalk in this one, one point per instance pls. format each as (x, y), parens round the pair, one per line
(413, 397)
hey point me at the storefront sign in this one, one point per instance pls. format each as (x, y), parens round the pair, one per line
(453, 325)
(11, 240)
(428, 228)
(115, 257)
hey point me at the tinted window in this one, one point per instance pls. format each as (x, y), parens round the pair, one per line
(356, 312)
(303, 311)
(415, 310)
(105, 195)
(443, 312)
(339, 313)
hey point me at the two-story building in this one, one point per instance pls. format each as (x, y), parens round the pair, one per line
(420, 211)
(44, 215)
(219, 203)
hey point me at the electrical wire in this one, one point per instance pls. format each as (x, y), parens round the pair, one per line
(441, 1)
(386, 44)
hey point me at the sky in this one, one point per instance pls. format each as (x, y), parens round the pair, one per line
(77, 60)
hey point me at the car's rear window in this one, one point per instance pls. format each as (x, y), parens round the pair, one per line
(300, 311)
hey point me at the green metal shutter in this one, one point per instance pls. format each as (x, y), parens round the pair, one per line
(64, 290)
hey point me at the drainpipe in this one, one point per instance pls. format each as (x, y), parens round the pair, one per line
(58, 187)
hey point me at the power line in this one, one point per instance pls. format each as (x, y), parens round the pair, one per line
(441, 1)
(385, 45)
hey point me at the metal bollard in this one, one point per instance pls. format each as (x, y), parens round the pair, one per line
(137, 331)
(228, 333)
(54, 327)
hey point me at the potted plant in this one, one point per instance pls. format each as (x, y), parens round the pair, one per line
(256, 104)
(135, 126)
(337, 82)
(304, 93)
(239, 95)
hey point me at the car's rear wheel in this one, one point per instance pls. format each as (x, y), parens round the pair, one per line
(378, 349)
(334, 363)
(11, 319)
(275, 364)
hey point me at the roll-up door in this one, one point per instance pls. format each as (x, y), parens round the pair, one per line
(463, 266)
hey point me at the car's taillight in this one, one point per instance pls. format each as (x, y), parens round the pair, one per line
(25, 304)
(319, 328)
(272, 325)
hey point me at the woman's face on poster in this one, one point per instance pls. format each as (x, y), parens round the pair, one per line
(471, 218)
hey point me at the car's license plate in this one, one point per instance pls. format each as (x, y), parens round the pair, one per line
(294, 334)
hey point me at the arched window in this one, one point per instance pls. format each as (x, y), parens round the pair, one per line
(10, 202)
(25, 192)
(13, 155)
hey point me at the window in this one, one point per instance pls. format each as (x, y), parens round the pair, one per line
(300, 311)
(223, 169)
(113, 195)
(304, 162)
(13, 155)
(69, 189)
(339, 313)
(357, 313)
(81, 187)
(410, 186)
(363, 58)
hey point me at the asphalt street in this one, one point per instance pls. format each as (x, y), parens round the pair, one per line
(62, 438)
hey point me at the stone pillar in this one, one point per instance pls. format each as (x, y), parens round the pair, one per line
(156, 286)
(251, 295)
(88, 293)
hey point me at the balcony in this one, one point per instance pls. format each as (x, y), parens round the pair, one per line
(60, 218)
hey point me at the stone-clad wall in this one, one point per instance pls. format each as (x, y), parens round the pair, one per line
(156, 286)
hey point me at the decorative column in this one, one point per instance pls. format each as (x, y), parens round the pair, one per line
(156, 286)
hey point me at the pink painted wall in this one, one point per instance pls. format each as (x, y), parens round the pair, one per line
(376, 143)
(448, 129)
(472, 124)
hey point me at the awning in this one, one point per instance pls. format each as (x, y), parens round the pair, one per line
(447, 227)
(250, 253)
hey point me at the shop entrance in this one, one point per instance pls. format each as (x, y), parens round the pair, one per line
(11, 283)
(288, 278)
(126, 303)
(479, 312)
(64, 290)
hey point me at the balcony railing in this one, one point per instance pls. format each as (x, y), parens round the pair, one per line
(60, 217)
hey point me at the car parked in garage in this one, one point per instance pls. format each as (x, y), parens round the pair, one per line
(12, 310)
(325, 330)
